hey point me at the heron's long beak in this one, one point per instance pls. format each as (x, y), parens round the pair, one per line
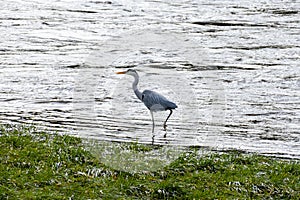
(120, 72)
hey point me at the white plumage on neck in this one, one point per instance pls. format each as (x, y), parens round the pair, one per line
(134, 85)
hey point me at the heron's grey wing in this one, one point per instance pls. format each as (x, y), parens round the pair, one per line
(156, 102)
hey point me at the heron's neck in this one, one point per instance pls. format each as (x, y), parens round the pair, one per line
(134, 86)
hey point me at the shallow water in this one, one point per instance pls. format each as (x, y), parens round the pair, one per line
(232, 67)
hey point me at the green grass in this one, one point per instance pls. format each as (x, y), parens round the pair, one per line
(35, 165)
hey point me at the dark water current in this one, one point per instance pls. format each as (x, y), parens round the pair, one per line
(232, 67)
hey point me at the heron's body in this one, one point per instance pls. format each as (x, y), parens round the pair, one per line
(156, 102)
(152, 100)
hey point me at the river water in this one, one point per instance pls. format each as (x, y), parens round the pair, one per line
(232, 67)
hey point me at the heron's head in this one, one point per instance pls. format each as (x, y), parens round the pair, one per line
(131, 72)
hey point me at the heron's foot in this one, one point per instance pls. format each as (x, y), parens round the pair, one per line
(153, 139)
(165, 127)
(165, 135)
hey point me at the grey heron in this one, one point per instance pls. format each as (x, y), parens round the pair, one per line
(152, 100)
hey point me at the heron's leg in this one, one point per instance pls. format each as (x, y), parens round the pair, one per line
(165, 123)
(152, 122)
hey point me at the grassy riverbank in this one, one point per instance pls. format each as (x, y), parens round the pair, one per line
(37, 165)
